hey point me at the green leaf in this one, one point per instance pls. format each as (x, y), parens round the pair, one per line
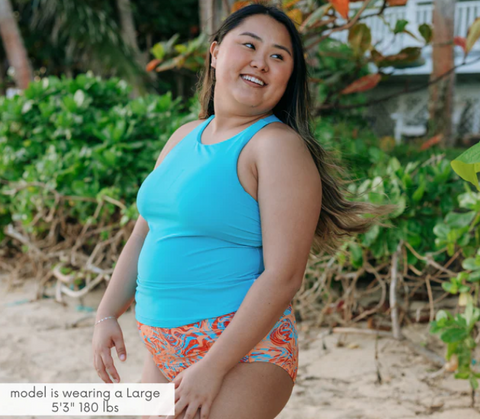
(451, 349)
(473, 382)
(474, 276)
(457, 220)
(180, 48)
(426, 31)
(450, 249)
(407, 180)
(467, 165)
(470, 343)
(441, 314)
(469, 315)
(357, 254)
(454, 335)
(470, 200)
(360, 38)
(393, 165)
(158, 51)
(371, 235)
(441, 230)
(469, 264)
(472, 35)
(436, 327)
(79, 97)
(449, 287)
(400, 26)
(317, 15)
(418, 194)
(452, 236)
(401, 205)
(414, 239)
(27, 106)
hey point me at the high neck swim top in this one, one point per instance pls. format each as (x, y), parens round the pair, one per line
(204, 249)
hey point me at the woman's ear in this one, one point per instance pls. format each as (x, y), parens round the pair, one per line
(214, 53)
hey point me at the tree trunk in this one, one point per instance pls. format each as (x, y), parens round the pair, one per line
(441, 92)
(3, 79)
(130, 38)
(212, 13)
(127, 24)
(14, 46)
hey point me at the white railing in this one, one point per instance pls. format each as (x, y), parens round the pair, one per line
(415, 12)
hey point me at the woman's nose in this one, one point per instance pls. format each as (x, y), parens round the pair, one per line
(260, 63)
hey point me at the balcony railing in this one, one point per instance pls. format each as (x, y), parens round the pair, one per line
(415, 12)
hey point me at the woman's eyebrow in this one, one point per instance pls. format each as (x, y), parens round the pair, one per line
(261, 40)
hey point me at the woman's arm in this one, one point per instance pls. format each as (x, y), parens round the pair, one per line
(120, 291)
(118, 297)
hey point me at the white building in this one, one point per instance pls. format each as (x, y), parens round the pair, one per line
(407, 114)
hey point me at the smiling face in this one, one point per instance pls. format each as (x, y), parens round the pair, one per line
(260, 47)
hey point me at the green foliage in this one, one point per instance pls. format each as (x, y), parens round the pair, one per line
(333, 64)
(467, 165)
(429, 195)
(80, 137)
(85, 138)
(457, 332)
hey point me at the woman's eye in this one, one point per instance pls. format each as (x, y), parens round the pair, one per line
(249, 43)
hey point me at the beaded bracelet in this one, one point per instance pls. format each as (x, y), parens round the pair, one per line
(105, 318)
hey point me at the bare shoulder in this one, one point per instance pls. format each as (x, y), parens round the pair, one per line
(278, 142)
(176, 137)
(189, 126)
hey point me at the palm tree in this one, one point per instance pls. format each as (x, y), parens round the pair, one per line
(14, 46)
(88, 33)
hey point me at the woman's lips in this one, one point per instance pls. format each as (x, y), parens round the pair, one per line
(251, 83)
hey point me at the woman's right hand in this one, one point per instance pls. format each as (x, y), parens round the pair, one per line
(106, 335)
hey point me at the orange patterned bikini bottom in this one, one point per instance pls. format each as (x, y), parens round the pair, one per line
(174, 349)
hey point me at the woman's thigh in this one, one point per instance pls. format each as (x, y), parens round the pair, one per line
(151, 374)
(260, 384)
(256, 390)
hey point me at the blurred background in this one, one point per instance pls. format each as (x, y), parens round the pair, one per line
(91, 91)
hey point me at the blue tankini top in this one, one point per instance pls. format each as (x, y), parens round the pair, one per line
(204, 249)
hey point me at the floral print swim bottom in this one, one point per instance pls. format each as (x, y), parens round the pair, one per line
(175, 349)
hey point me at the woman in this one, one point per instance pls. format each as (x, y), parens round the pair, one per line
(231, 215)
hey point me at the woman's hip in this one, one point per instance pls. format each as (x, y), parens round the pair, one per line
(174, 349)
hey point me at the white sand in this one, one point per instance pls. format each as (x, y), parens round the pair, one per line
(336, 383)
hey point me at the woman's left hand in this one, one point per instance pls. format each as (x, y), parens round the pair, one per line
(196, 387)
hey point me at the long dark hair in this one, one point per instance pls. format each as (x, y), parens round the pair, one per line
(338, 217)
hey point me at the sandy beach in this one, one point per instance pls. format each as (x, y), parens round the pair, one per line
(337, 376)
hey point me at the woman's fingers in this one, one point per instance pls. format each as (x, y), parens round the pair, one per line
(177, 395)
(191, 410)
(106, 336)
(109, 366)
(205, 411)
(120, 347)
(179, 408)
(100, 367)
